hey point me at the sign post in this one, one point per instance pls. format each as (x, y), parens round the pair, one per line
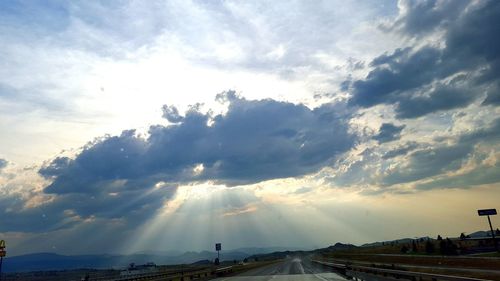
(218, 247)
(3, 253)
(490, 212)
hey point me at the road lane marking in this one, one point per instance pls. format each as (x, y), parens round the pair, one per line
(320, 277)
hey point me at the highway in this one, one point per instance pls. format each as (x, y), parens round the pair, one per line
(297, 268)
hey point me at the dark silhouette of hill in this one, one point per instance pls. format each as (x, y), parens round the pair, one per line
(53, 261)
(284, 254)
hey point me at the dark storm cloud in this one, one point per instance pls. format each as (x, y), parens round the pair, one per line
(55, 167)
(17, 218)
(402, 150)
(132, 207)
(429, 79)
(171, 114)
(429, 162)
(421, 17)
(128, 177)
(424, 161)
(388, 132)
(493, 95)
(3, 164)
(100, 183)
(394, 74)
(448, 96)
(254, 141)
(489, 134)
(482, 174)
(478, 176)
(356, 172)
(112, 163)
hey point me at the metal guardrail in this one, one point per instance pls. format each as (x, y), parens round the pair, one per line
(331, 264)
(224, 269)
(397, 273)
(173, 275)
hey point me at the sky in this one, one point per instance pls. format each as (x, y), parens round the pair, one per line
(130, 126)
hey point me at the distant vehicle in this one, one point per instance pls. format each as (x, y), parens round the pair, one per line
(133, 269)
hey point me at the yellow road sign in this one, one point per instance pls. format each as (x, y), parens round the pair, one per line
(2, 243)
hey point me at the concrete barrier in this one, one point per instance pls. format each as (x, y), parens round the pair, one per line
(175, 276)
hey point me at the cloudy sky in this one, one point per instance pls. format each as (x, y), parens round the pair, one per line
(128, 126)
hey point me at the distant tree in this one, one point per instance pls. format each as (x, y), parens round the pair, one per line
(404, 249)
(462, 236)
(429, 247)
(452, 247)
(414, 247)
(446, 247)
(439, 238)
(442, 247)
(245, 260)
(235, 261)
(256, 259)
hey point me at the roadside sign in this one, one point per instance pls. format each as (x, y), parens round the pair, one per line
(3, 253)
(218, 247)
(487, 212)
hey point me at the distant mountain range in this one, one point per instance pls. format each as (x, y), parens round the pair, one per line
(284, 254)
(52, 261)
(477, 234)
(398, 241)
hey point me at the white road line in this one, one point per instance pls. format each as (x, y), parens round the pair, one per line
(320, 277)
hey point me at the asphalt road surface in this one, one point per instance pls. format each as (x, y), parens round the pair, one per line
(297, 268)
